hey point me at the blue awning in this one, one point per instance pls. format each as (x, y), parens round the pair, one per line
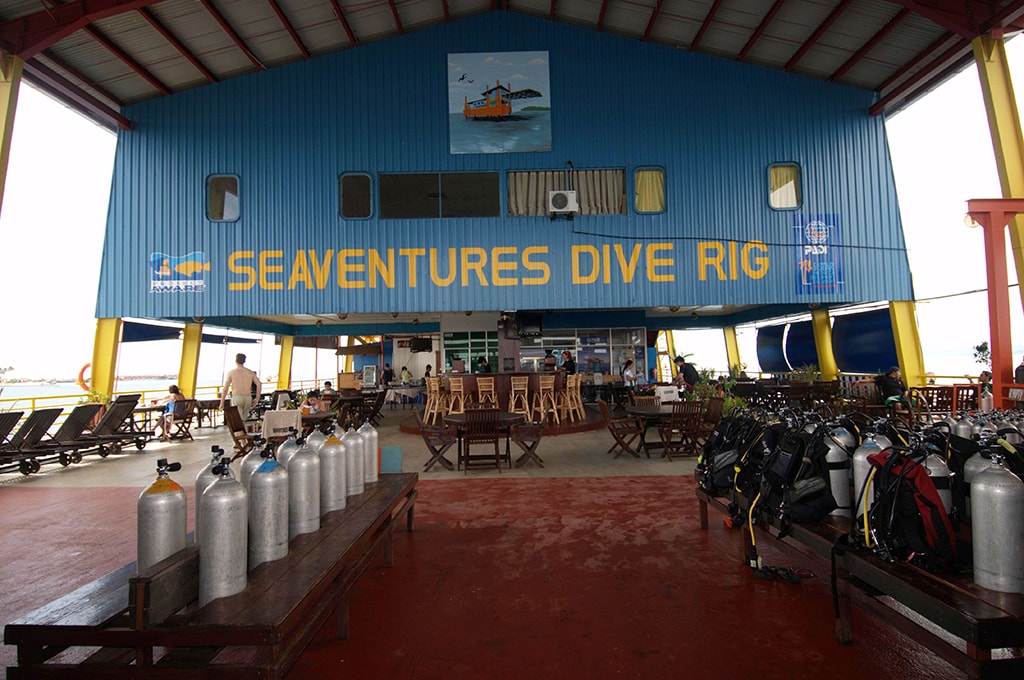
(133, 331)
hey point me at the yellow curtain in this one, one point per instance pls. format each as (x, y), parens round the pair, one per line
(784, 184)
(650, 190)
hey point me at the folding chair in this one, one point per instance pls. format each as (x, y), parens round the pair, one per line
(438, 440)
(181, 419)
(241, 437)
(624, 430)
(527, 436)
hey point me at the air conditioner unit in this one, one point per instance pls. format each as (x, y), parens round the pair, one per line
(562, 201)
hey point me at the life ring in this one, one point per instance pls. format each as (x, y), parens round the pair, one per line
(81, 382)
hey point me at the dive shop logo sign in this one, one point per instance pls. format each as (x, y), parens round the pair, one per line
(819, 264)
(178, 274)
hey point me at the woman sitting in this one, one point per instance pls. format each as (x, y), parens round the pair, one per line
(312, 403)
(163, 423)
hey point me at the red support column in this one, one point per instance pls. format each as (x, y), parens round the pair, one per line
(993, 214)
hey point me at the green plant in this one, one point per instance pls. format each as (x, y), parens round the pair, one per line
(732, 403)
(95, 397)
(805, 373)
(983, 355)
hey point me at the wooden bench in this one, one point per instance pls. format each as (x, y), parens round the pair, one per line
(149, 625)
(947, 613)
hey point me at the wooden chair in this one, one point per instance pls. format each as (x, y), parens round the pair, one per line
(679, 432)
(518, 397)
(938, 397)
(181, 419)
(527, 437)
(239, 434)
(570, 401)
(646, 400)
(481, 430)
(485, 392)
(435, 404)
(438, 438)
(623, 430)
(456, 396)
(712, 416)
(544, 398)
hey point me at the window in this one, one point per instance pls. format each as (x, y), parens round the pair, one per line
(355, 195)
(598, 192)
(784, 186)
(432, 195)
(650, 190)
(222, 198)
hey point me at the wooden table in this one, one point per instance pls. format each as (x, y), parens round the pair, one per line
(649, 415)
(142, 417)
(505, 422)
(207, 408)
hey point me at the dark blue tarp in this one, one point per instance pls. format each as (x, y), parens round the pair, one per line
(800, 348)
(864, 343)
(770, 356)
(133, 331)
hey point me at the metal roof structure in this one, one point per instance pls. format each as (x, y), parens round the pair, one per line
(99, 56)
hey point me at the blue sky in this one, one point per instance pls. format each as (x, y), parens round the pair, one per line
(58, 184)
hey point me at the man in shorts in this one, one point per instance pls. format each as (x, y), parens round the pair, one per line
(239, 382)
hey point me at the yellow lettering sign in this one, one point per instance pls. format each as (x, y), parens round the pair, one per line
(236, 267)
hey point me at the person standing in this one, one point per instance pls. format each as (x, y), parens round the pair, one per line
(628, 375)
(426, 373)
(686, 373)
(240, 383)
(1018, 373)
(328, 388)
(482, 365)
(387, 376)
(568, 363)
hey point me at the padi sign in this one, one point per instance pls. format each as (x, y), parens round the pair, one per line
(819, 265)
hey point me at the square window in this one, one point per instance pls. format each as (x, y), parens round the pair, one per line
(222, 198)
(355, 192)
(784, 186)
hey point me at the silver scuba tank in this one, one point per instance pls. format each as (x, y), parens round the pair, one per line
(964, 427)
(224, 536)
(162, 520)
(986, 402)
(838, 460)
(1008, 431)
(333, 475)
(938, 472)
(315, 439)
(303, 491)
(268, 510)
(251, 461)
(355, 459)
(288, 447)
(370, 442)
(998, 539)
(863, 498)
(972, 467)
(204, 479)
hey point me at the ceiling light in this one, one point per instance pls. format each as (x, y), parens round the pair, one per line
(674, 308)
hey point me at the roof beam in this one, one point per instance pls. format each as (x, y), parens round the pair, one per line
(29, 35)
(177, 44)
(600, 17)
(870, 44)
(76, 75)
(551, 14)
(922, 79)
(288, 27)
(704, 26)
(398, 19)
(447, 14)
(654, 17)
(344, 23)
(58, 86)
(759, 31)
(229, 29)
(818, 32)
(127, 59)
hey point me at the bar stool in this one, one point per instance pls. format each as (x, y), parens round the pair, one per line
(518, 396)
(436, 403)
(456, 396)
(485, 391)
(544, 399)
(570, 403)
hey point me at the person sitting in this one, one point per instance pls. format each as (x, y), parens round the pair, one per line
(891, 387)
(163, 423)
(328, 388)
(312, 403)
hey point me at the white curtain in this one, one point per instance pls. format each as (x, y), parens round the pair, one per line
(599, 192)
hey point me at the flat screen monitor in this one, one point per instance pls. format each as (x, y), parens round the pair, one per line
(420, 345)
(528, 324)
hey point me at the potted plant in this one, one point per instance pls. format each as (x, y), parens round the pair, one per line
(95, 397)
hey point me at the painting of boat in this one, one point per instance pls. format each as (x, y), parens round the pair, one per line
(497, 102)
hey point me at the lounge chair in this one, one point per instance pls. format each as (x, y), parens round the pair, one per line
(67, 441)
(28, 435)
(8, 420)
(117, 427)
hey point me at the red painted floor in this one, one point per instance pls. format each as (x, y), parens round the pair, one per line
(549, 578)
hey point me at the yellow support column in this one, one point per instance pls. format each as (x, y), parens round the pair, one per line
(822, 325)
(903, 314)
(670, 349)
(1005, 129)
(10, 80)
(188, 371)
(284, 369)
(732, 349)
(104, 355)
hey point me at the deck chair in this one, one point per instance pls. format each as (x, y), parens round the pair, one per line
(8, 419)
(243, 440)
(623, 430)
(67, 440)
(181, 420)
(27, 436)
(117, 428)
(481, 430)
(438, 438)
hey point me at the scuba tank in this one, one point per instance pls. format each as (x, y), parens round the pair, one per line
(838, 460)
(162, 517)
(355, 459)
(303, 490)
(985, 401)
(268, 510)
(315, 439)
(224, 535)
(997, 512)
(204, 479)
(370, 452)
(963, 427)
(333, 482)
(939, 473)
(251, 461)
(288, 447)
(1008, 431)
(972, 467)
(863, 499)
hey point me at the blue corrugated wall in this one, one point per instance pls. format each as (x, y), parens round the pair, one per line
(714, 125)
